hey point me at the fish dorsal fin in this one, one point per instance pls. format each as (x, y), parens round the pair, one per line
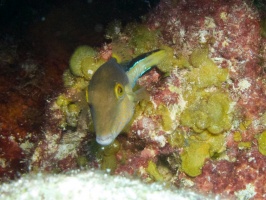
(143, 63)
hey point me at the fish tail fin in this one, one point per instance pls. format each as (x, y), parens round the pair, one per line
(143, 63)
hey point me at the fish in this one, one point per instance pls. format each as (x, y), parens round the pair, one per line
(111, 96)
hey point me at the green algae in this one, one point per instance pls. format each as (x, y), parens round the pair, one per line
(68, 78)
(84, 62)
(244, 145)
(176, 139)
(200, 149)
(262, 143)
(244, 125)
(143, 107)
(237, 136)
(113, 30)
(263, 119)
(106, 155)
(182, 62)
(72, 81)
(146, 108)
(141, 38)
(79, 54)
(172, 61)
(72, 114)
(82, 161)
(217, 145)
(62, 101)
(166, 120)
(193, 158)
(263, 27)
(109, 163)
(199, 58)
(205, 73)
(70, 111)
(207, 111)
(153, 171)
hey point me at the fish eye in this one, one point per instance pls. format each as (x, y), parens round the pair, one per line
(119, 90)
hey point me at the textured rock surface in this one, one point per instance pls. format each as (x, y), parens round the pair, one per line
(89, 185)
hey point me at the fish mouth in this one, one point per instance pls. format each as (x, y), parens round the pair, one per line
(105, 140)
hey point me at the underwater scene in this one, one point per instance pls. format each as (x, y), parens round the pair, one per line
(123, 99)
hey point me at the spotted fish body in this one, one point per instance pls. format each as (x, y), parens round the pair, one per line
(111, 96)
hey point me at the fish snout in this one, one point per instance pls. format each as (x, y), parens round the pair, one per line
(105, 139)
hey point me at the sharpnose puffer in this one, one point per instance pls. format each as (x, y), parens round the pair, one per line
(111, 96)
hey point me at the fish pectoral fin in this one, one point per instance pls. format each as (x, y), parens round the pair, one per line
(141, 94)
